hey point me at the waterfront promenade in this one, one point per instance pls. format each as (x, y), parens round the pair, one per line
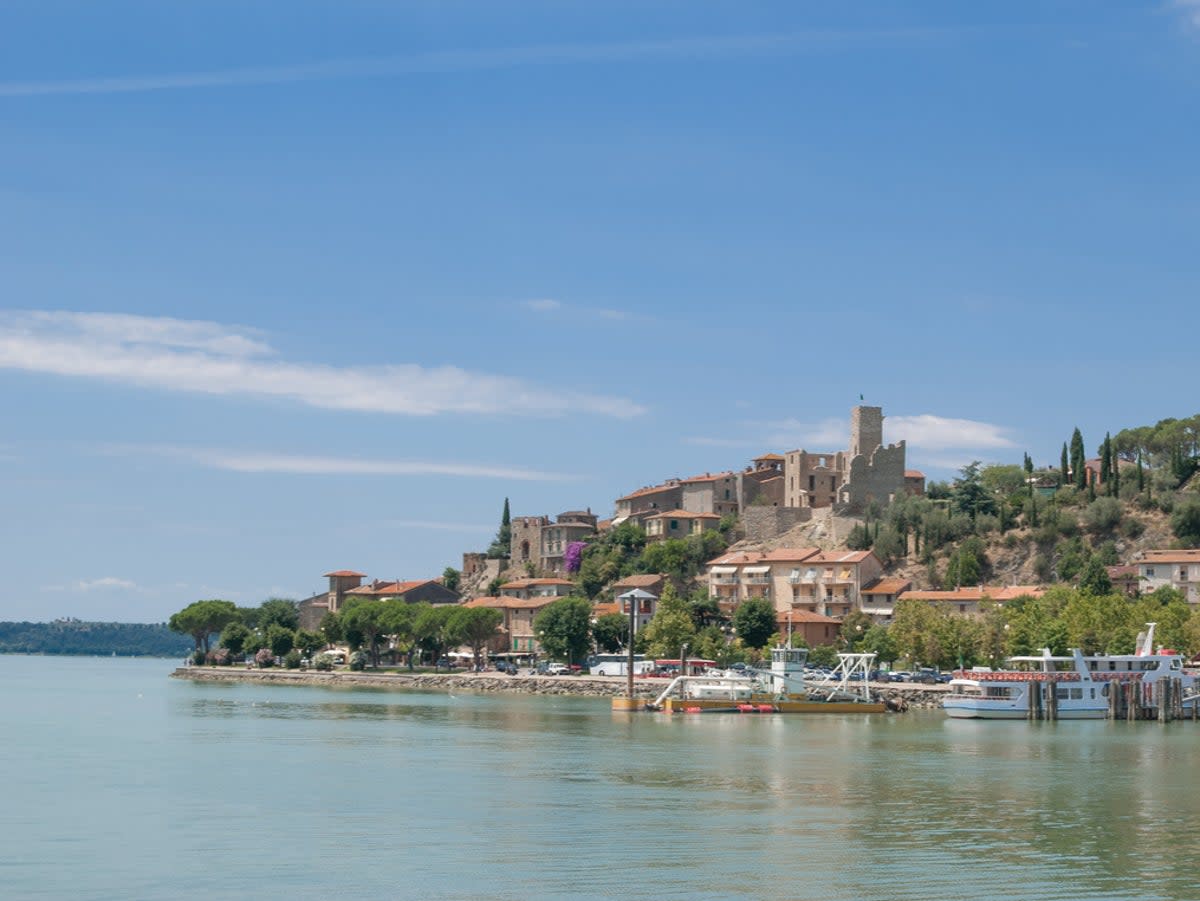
(581, 686)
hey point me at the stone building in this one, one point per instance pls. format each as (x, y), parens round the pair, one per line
(679, 524)
(1178, 569)
(341, 583)
(526, 532)
(868, 471)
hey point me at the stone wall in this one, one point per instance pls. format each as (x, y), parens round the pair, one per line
(526, 534)
(874, 478)
(766, 523)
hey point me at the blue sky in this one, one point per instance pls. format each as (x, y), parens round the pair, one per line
(292, 287)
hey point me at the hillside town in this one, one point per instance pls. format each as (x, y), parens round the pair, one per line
(812, 536)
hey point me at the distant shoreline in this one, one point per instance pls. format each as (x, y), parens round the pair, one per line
(486, 683)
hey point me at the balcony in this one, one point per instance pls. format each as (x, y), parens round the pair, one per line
(757, 580)
(724, 580)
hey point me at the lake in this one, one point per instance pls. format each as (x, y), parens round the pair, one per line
(123, 783)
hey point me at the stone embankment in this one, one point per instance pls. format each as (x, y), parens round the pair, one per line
(583, 686)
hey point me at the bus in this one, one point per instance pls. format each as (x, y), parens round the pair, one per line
(617, 665)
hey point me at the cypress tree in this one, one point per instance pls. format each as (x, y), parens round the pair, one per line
(1029, 473)
(1062, 467)
(1078, 459)
(1106, 464)
(1141, 476)
(506, 529)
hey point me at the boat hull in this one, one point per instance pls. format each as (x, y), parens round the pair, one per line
(768, 705)
(967, 710)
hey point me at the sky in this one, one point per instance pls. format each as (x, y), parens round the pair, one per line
(290, 287)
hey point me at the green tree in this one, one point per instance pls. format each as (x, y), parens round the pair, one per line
(610, 632)
(754, 621)
(502, 546)
(1094, 579)
(968, 496)
(967, 565)
(203, 619)
(309, 642)
(564, 628)
(278, 611)
(364, 619)
(671, 627)
(878, 641)
(399, 623)
(475, 627)
(1078, 460)
(1185, 521)
(331, 628)
(1063, 466)
(450, 578)
(234, 638)
(435, 629)
(279, 639)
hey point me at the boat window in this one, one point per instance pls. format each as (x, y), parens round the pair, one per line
(1177, 663)
(1076, 694)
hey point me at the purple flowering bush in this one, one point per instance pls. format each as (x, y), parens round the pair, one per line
(573, 556)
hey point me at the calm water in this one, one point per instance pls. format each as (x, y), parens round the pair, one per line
(122, 783)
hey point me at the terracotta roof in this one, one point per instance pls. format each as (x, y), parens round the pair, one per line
(913, 474)
(653, 489)
(769, 457)
(683, 514)
(1120, 572)
(887, 586)
(790, 554)
(571, 525)
(805, 616)
(506, 602)
(346, 573)
(976, 593)
(779, 555)
(391, 588)
(528, 583)
(603, 525)
(707, 477)
(1170, 557)
(841, 557)
(641, 580)
(599, 610)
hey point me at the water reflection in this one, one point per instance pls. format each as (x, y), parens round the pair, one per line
(924, 805)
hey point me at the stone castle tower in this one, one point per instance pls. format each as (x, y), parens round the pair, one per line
(866, 430)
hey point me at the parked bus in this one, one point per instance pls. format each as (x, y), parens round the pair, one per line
(617, 665)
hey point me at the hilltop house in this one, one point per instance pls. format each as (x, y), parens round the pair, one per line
(970, 601)
(1178, 569)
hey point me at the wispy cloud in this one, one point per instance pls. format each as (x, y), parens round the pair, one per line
(1188, 11)
(298, 464)
(542, 305)
(929, 431)
(472, 60)
(925, 430)
(549, 305)
(100, 584)
(434, 525)
(212, 358)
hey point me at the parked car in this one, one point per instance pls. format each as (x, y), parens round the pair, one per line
(925, 677)
(556, 669)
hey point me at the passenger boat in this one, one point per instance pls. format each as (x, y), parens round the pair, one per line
(1082, 683)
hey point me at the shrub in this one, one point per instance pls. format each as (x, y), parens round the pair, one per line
(358, 661)
(1132, 527)
(1068, 527)
(1043, 567)
(264, 658)
(1102, 514)
(197, 657)
(323, 663)
(220, 657)
(291, 660)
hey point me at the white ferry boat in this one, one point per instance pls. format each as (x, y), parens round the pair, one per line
(1082, 683)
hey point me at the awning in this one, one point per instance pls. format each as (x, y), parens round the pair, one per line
(723, 570)
(756, 570)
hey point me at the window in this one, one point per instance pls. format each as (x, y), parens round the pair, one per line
(1149, 572)
(812, 483)
(674, 524)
